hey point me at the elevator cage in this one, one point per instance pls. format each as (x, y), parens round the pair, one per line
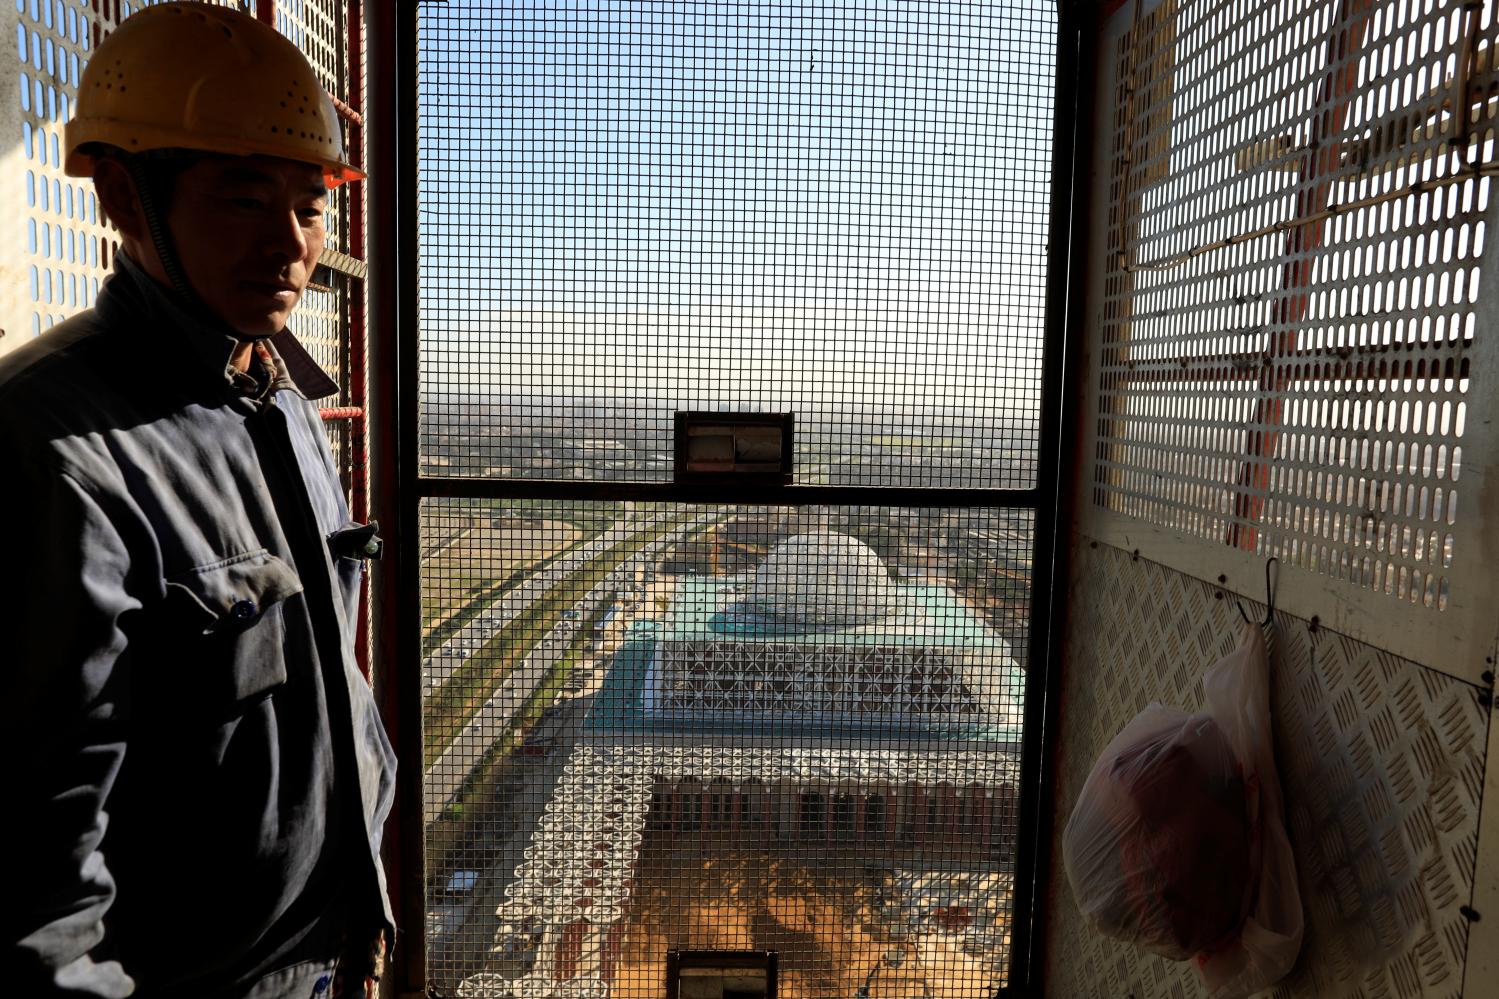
(1267, 285)
(1081, 315)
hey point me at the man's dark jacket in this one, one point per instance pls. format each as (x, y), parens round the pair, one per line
(202, 772)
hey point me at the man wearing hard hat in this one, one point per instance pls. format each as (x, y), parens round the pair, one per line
(200, 776)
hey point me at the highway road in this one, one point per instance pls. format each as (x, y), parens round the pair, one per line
(490, 722)
(472, 637)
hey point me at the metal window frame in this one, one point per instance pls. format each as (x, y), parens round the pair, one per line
(398, 487)
(676, 960)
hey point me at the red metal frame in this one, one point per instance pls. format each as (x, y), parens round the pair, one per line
(346, 112)
(1318, 163)
(358, 388)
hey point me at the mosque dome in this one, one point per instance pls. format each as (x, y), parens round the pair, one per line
(822, 579)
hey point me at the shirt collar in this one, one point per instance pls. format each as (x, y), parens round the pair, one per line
(130, 295)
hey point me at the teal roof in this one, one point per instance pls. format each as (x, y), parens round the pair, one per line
(934, 617)
(931, 616)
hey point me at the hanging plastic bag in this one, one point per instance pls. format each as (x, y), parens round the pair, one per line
(1178, 844)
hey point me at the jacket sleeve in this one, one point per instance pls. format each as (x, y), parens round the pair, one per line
(64, 609)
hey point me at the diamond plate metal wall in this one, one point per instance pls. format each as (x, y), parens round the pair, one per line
(1382, 762)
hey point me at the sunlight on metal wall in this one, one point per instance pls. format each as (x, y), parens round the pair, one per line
(1290, 354)
(1288, 292)
(61, 248)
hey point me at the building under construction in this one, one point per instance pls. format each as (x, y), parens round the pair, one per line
(815, 708)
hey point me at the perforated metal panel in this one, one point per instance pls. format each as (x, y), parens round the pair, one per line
(1286, 309)
(63, 251)
(59, 250)
(1381, 761)
(53, 256)
(321, 322)
(319, 29)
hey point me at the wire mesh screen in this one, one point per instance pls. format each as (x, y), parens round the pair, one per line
(1296, 217)
(837, 209)
(653, 727)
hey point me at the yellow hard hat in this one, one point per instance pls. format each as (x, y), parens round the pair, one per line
(195, 76)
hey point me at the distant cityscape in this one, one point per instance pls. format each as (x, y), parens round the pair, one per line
(622, 440)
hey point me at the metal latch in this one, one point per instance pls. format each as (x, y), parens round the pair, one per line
(737, 446)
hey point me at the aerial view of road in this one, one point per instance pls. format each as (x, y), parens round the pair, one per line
(454, 652)
(491, 721)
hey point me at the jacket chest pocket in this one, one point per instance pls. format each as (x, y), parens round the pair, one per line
(228, 616)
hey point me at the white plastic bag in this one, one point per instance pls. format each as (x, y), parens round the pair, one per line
(1177, 842)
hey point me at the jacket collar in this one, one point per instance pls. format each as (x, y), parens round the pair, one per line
(130, 296)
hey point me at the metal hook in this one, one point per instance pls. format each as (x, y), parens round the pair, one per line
(1269, 597)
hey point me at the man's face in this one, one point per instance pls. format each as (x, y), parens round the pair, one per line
(248, 232)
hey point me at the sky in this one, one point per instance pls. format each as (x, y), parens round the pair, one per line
(850, 192)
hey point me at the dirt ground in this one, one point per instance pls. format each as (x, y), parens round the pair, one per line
(821, 916)
(480, 553)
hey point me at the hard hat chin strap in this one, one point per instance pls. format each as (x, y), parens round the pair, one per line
(161, 239)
